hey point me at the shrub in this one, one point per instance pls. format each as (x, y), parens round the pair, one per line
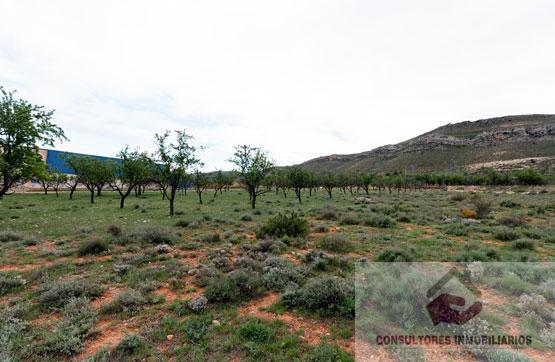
(198, 303)
(524, 244)
(196, 328)
(379, 221)
(238, 285)
(269, 245)
(246, 218)
(320, 229)
(77, 321)
(211, 238)
(92, 247)
(457, 229)
(279, 274)
(130, 345)
(481, 206)
(114, 230)
(349, 220)
(154, 235)
(182, 223)
(505, 234)
(338, 243)
(284, 225)
(10, 282)
(512, 221)
(469, 214)
(328, 213)
(130, 300)
(255, 330)
(328, 353)
(508, 203)
(327, 295)
(390, 255)
(59, 293)
(6, 236)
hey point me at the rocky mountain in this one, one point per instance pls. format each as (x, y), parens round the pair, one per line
(503, 143)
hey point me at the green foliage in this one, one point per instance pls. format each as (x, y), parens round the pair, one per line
(506, 234)
(524, 244)
(196, 328)
(391, 255)
(254, 330)
(10, 282)
(481, 206)
(379, 221)
(284, 225)
(59, 293)
(129, 300)
(328, 353)
(22, 127)
(326, 295)
(92, 247)
(153, 235)
(338, 243)
(238, 285)
(6, 236)
(77, 321)
(253, 166)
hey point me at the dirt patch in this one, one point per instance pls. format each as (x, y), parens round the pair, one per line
(109, 295)
(168, 294)
(109, 334)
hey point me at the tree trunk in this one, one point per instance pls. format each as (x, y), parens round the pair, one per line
(172, 199)
(92, 196)
(253, 201)
(298, 193)
(200, 197)
(329, 193)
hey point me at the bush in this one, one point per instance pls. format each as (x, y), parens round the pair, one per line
(59, 293)
(182, 223)
(92, 247)
(469, 214)
(6, 236)
(391, 255)
(256, 331)
(327, 295)
(211, 238)
(130, 345)
(379, 221)
(457, 229)
(246, 218)
(524, 244)
(238, 285)
(512, 221)
(198, 303)
(338, 243)
(279, 274)
(129, 300)
(349, 220)
(459, 196)
(328, 353)
(10, 282)
(282, 225)
(154, 235)
(481, 206)
(328, 213)
(508, 204)
(196, 328)
(77, 321)
(505, 234)
(114, 230)
(269, 246)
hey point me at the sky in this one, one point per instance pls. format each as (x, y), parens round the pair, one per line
(300, 79)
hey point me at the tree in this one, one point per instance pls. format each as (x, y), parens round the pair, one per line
(200, 182)
(298, 179)
(253, 166)
(219, 181)
(44, 177)
(90, 171)
(22, 126)
(328, 181)
(172, 162)
(58, 179)
(130, 172)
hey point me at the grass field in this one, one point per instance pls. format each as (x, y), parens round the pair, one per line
(100, 283)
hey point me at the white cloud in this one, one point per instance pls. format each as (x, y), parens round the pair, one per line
(298, 78)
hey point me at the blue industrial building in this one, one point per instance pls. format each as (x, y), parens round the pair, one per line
(55, 160)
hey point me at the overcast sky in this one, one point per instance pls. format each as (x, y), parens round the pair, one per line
(300, 79)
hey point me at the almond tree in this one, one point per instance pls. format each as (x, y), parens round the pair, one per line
(22, 127)
(173, 160)
(130, 172)
(253, 166)
(298, 179)
(200, 182)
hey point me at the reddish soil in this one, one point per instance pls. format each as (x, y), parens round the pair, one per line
(109, 295)
(110, 333)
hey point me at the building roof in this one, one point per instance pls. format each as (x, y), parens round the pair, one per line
(56, 160)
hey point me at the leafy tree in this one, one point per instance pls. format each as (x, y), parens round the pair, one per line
(58, 179)
(44, 177)
(130, 172)
(22, 126)
(172, 160)
(200, 182)
(298, 179)
(328, 181)
(253, 166)
(219, 181)
(91, 172)
(50, 178)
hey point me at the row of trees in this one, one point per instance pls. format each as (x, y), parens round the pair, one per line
(174, 166)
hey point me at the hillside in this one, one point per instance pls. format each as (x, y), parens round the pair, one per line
(503, 143)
